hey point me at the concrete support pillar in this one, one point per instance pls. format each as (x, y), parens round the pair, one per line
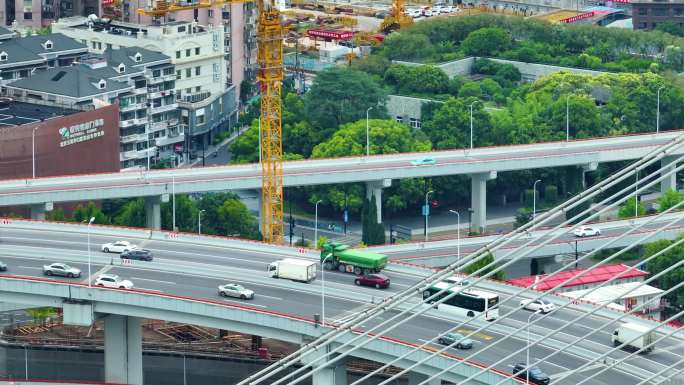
(334, 374)
(38, 210)
(585, 169)
(123, 350)
(478, 196)
(153, 212)
(416, 378)
(670, 182)
(374, 188)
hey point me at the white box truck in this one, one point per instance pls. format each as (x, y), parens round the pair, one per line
(294, 269)
(635, 336)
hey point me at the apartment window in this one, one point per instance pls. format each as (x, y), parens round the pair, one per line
(188, 90)
(178, 75)
(197, 71)
(188, 72)
(109, 46)
(210, 13)
(399, 119)
(178, 53)
(643, 11)
(187, 52)
(156, 73)
(99, 45)
(659, 11)
(94, 45)
(643, 25)
(168, 71)
(201, 120)
(198, 88)
(28, 16)
(414, 123)
(679, 11)
(3, 56)
(197, 50)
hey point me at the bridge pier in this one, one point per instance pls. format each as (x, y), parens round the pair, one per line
(335, 374)
(416, 378)
(123, 350)
(478, 197)
(153, 212)
(374, 188)
(38, 210)
(670, 182)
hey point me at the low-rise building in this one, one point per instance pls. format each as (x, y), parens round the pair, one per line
(20, 57)
(644, 299)
(34, 14)
(207, 105)
(647, 14)
(589, 278)
(140, 81)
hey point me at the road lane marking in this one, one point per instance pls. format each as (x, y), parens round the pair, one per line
(142, 288)
(103, 270)
(483, 336)
(575, 371)
(153, 280)
(268, 296)
(244, 303)
(30, 267)
(535, 359)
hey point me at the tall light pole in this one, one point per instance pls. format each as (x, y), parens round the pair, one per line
(316, 225)
(658, 110)
(471, 123)
(567, 118)
(458, 235)
(367, 133)
(323, 288)
(527, 365)
(173, 202)
(534, 198)
(33, 149)
(199, 222)
(427, 211)
(90, 222)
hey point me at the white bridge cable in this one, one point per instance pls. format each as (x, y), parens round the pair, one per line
(348, 351)
(537, 319)
(678, 364)
(395, 300)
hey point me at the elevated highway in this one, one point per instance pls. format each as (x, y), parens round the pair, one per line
(188, 268)
(377, 171)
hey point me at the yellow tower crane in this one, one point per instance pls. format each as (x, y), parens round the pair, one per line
(397, 18)
(270, 78)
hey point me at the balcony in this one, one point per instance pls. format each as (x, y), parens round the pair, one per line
(141, 90)
(198, 99)
(164, 108)
(134, 138)
(165, 141)
(131, 107)
(135, 154)
(155, 93)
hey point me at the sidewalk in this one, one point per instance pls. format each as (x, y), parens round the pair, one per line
(213, 148)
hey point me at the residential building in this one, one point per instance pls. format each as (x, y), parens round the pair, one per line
(207, 105)
(647, 14)
(141, 81)
(588, 280)
(20, 57)
(34, 14)
(624, 297)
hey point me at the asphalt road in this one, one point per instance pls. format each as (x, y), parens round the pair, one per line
(203, 268)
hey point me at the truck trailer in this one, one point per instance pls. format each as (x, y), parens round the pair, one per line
(636, 337)
(293, 269)
(338, 256)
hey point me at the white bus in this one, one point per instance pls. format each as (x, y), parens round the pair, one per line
(467, 303)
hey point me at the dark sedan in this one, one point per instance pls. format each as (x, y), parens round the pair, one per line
(139, 254)
(536, 375)
(379, 281)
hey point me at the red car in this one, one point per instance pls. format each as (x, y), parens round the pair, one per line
(378, 280)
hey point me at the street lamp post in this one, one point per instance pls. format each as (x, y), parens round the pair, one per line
(567, 118)
(323, 288)
(173, 202)
(90, 222)
(367, 133)
(458, 236)
(527, 365)
(534, 198)
(33, 150)
(471, 123)
(316, 225)
(199, 222)
(427, 210)
(658, 110)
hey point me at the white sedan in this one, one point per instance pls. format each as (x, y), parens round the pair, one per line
(111, 280)
(235, 290)
(118, 247)
(586, 231)
(537, 304)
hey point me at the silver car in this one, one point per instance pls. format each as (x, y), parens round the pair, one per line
(61, 269)
(235, 290)
(3, 266)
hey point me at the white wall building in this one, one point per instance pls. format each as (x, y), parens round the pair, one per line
(624, 297)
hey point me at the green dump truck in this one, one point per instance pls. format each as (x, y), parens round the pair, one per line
(338, 256)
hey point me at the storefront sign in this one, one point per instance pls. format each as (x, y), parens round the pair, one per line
(81, 132)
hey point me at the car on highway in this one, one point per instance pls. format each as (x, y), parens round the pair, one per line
(536, 375)
(455, 280)
(450, 338)
(3, 266)
(235, 290)
(586, 231)
(61, 269)
(537, 305)
(112, 280)
(423, 162)
(379, 281)
(139, 254)
(118, 247)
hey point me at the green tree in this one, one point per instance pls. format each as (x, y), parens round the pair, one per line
(488, 262)
(486, 42)
(132, 214)
(186, 214)
(628, 209)
(522, 216)
(450, 124)
(407, 46)
(372, 232)
(245, 149)
(342, 95)
(669, 199)
(90, 210)
(234, 218)
(41, 314)
(671, 27)
(470, 89)
(664, 261)
(56, 215)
